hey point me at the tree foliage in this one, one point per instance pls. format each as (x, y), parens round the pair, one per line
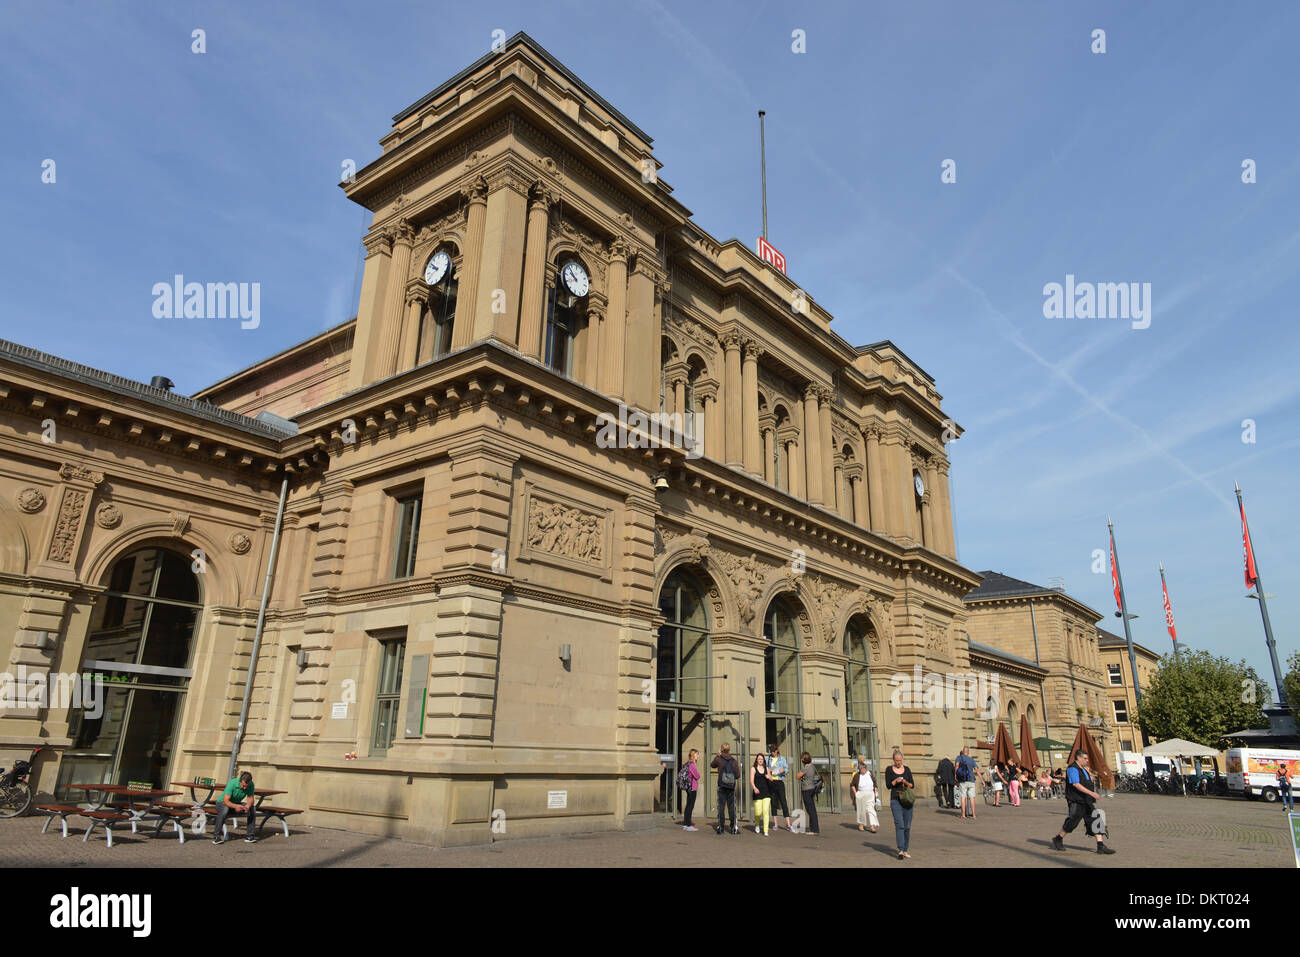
(1200, 697)
(1291, 684)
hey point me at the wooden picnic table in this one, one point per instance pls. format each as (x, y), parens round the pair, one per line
(260, 793)
(126, 795)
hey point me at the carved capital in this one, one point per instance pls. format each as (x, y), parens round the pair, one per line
(416, 291)
(403, 232)
(618, 251)
(731, 340)
(378, 241)
(77, 473)
(541, 196)
(811, 393)
(753, 350)
(475, 193)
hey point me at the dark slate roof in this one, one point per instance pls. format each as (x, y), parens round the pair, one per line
(873, 346)
(67, 369)
(1108, 639)
(548, 59)
(998, 585)
(999, 653)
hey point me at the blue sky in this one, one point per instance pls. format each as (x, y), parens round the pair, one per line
(1116, 167)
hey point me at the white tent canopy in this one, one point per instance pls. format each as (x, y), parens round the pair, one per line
(1178, 748)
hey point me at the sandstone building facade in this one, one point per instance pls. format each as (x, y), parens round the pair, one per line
(515, 627)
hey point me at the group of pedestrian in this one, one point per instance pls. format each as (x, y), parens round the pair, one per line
(955, 781)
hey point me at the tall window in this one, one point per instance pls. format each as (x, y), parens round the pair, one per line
(436, 321)
(1121, 712)
(1116, 675)
(781, 659)
(388, 693)
(563, 313)
(407, 536)
(857, 675)
(681, 658)
(1013, 722)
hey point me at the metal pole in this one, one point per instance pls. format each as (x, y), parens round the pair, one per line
(762, 147)
(1128, 631)
(1042, 691)
(257, 635)
(1165, 588)
(1263, 610)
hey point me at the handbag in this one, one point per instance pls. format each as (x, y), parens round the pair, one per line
(905, 797)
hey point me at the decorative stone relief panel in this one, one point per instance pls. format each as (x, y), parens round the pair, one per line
(566, 532)
(68, 523)
(747, 575)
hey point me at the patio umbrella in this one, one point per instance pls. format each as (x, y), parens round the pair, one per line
(1003, 749)
(1049, 744)
(1101, 770)
(1028, 753)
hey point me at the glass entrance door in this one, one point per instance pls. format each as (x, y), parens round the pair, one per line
(821, 739)
(726, 727)
(677, 730)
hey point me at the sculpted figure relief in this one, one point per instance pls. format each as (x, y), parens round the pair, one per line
(564, 530)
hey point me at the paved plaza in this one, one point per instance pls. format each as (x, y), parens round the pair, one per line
(1146, 831)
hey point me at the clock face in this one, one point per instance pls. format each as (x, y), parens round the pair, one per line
(575, 278)
(916, 480)
(437, 267)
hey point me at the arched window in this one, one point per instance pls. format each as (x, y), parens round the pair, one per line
(781, 659)
(564, 312)
(437, 318)
(139, 642)
(1013, 721)
(849, 507)
(666, 353)
(681, 658)
(857, 675)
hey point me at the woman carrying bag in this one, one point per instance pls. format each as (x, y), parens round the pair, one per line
(863, 789)
(902, 800)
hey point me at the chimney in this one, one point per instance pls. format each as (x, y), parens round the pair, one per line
(162, 382)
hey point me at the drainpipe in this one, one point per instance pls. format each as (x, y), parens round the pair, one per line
(257, 635)
(1042, 691)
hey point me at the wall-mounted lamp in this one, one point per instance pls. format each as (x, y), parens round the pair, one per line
(566, 655)
(302, 658)
(835, 695)
(751, 683)
(45, 642)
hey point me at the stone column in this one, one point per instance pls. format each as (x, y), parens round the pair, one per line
(769, 445)
(796, 468)
(374, 283)
(613, 337)
(943, 522)
(706, 390)
(927, 516)
(731, 397)
(750, 443)
(462, 332)
(875, 481)
(830, 489)
(595, 320)
(390, 329)
(812, 446)
(641, 344)
(416, 294)
(496, 306)
(532, 301)
(861, 507)
(841, 494)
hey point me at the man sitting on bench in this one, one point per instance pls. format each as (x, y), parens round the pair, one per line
(237, 798)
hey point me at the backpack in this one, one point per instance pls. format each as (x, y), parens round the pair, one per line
(964, 775)
(684, 778)
(727, 774)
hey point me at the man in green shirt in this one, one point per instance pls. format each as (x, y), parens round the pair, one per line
(236, 799)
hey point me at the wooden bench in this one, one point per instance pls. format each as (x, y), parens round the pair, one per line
(61, 811)
(211, 812)
(106, 819)
(172, 815)
(279, 813)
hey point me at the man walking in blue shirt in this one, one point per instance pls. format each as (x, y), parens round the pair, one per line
(1081, 800)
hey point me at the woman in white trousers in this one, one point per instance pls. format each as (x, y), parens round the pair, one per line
(863, 789)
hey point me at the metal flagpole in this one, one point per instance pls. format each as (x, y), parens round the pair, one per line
(1169, 614)
(1263, 605)
(762, 148)
(1128, 632)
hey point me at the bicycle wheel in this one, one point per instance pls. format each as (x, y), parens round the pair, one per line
(15, 799)
(988, 796)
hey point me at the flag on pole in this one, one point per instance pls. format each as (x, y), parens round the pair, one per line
(1114, 574)
(1169, 609)
(1247, 553)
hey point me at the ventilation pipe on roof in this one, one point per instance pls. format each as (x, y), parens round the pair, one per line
(162, 382)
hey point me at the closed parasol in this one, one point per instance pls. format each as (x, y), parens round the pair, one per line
(1028, 753)
(1003, 749)
(1096, 761)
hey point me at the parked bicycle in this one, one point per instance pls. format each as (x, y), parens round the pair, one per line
(15, 792)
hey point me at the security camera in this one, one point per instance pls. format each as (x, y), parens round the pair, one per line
(661, 484)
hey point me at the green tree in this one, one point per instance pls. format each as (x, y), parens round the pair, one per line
(1291, 684)
(1200, 697)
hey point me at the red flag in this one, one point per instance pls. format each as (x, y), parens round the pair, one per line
(1248, 553)
(1114, 574)
(1169, 611)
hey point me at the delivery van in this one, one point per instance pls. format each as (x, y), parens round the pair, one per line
(1133, 762)
(1252, 772)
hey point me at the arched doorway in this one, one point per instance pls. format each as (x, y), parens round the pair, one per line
(681, 682)
(858, 715)
(138, 648)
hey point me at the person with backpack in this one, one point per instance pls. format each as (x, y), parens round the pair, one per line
(688, 780)
(902, 801)
(810, 785)
(967, 771)
(761, 787)
(779, 769)
(1081, 802)
(1284, 786)
(728, 774)
(862, 786)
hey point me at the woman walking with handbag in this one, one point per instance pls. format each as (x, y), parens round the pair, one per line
(863, 789)
(902, 801)
(760, 785)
